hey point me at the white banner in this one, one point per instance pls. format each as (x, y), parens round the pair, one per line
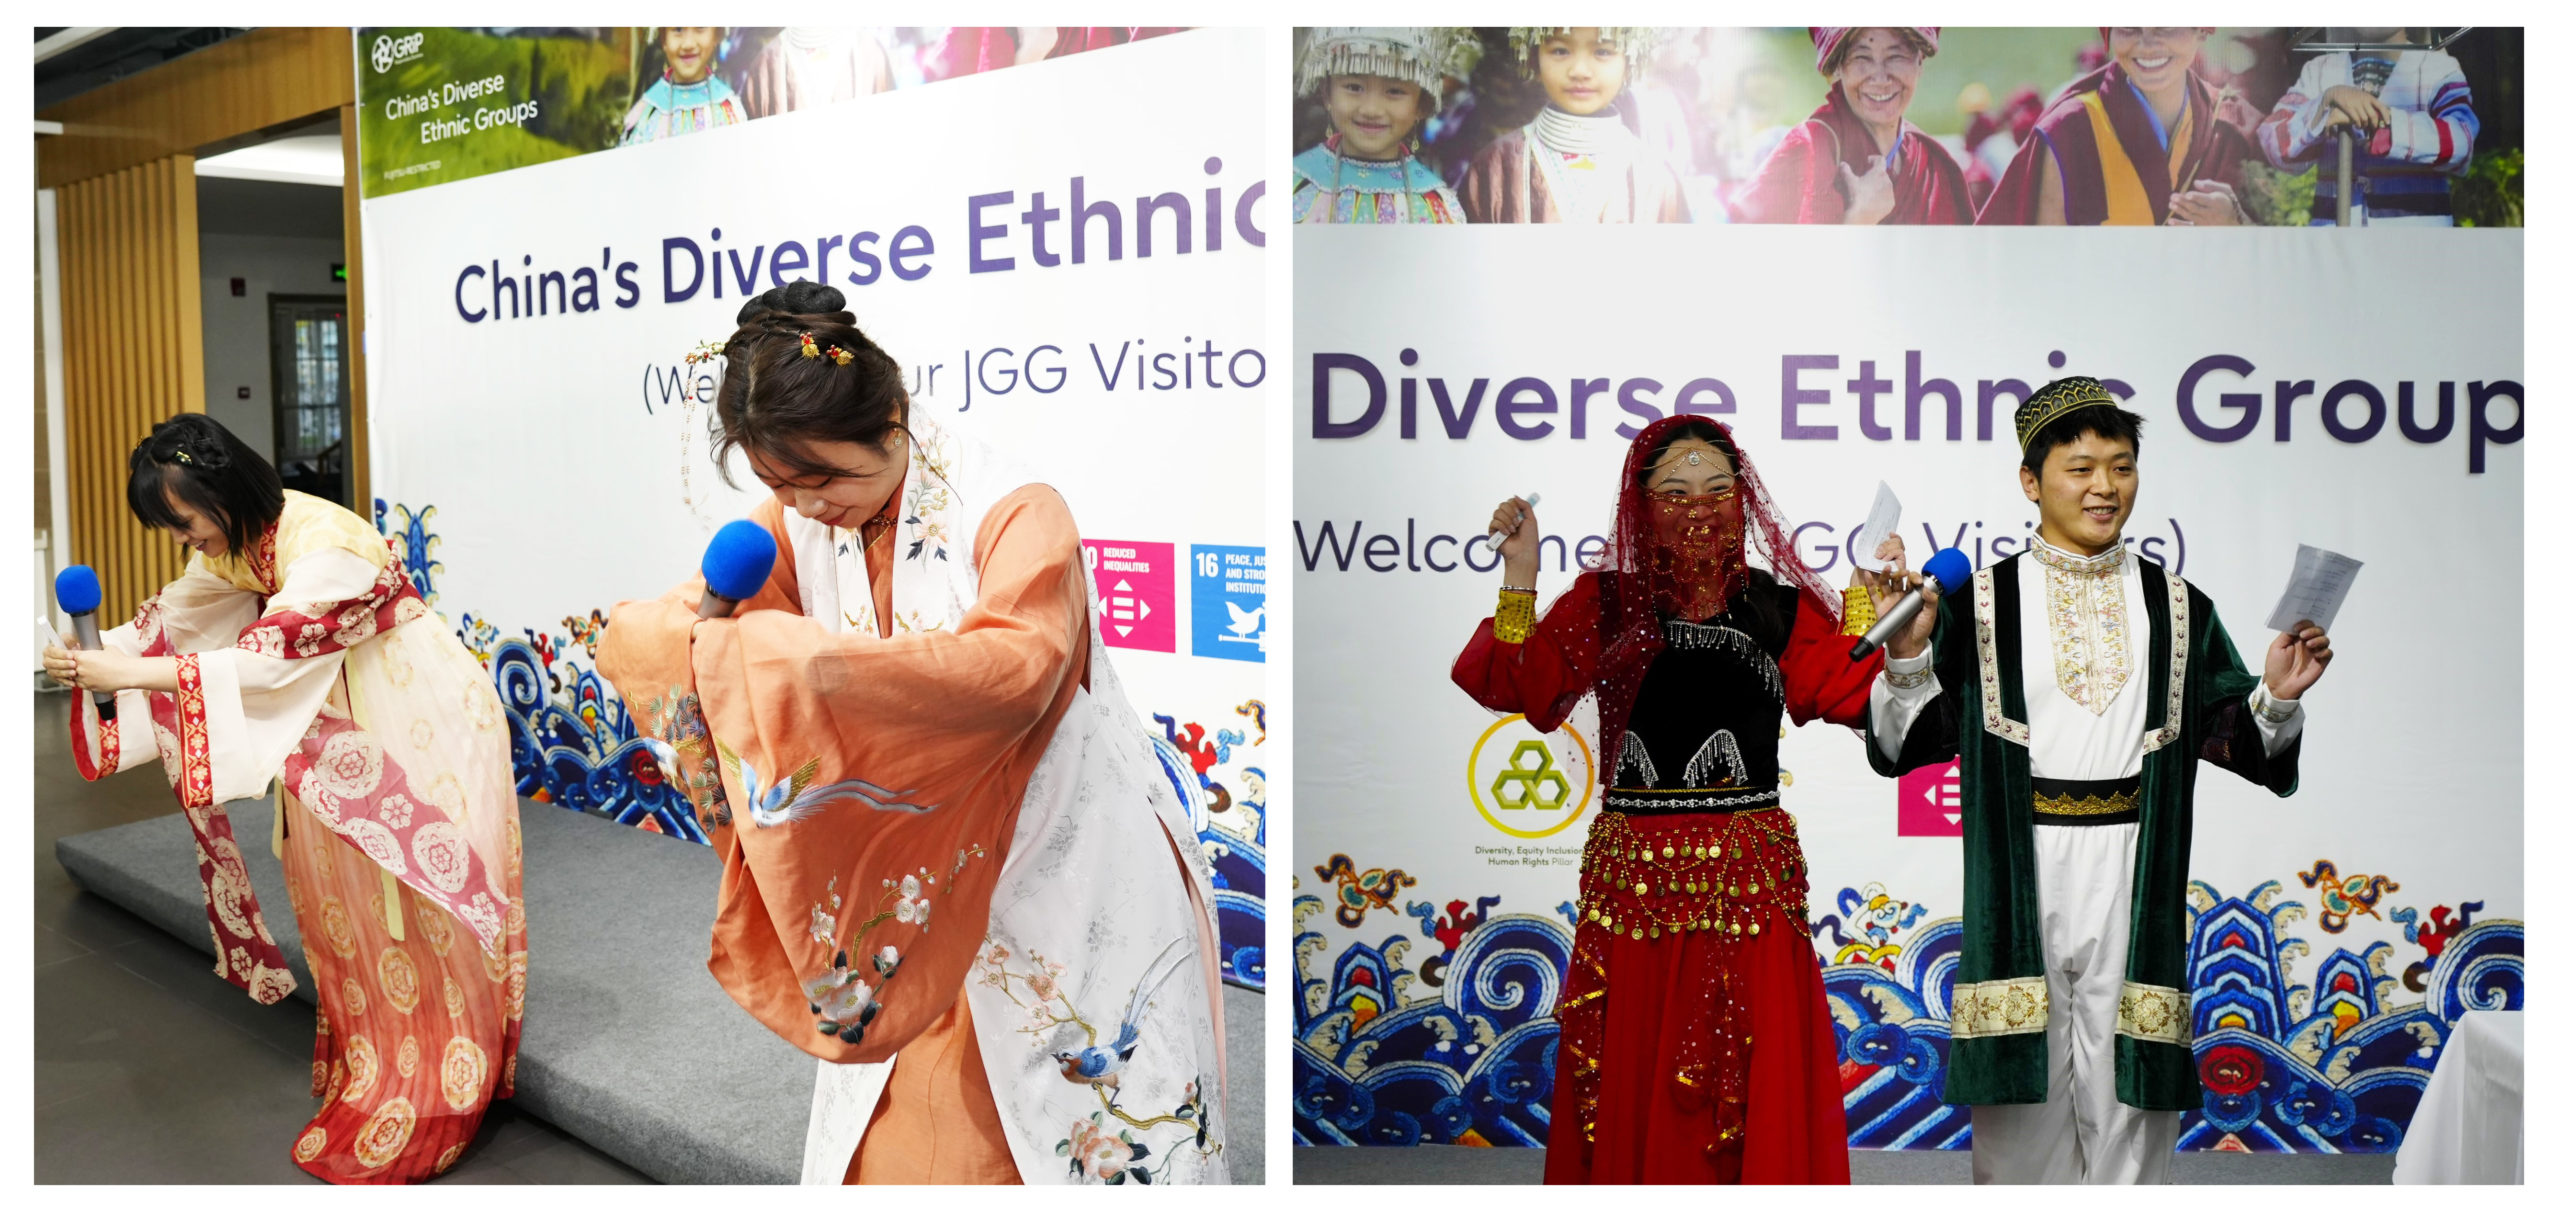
(1065, 266)
(2356, 393)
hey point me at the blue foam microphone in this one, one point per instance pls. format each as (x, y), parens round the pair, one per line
(1949, 569)
(734, 567)
(75, 590)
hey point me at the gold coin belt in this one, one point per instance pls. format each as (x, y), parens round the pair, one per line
(1730, 874)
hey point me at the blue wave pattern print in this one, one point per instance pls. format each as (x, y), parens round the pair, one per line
(2328, 1066)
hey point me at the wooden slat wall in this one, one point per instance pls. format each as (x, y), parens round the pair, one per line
(258, 80)
(133, 355)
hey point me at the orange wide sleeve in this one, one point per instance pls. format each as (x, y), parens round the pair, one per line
(867, 787)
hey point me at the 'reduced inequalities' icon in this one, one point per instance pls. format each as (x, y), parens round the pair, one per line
(1530, 785)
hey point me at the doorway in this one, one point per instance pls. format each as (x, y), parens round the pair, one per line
(307, 344)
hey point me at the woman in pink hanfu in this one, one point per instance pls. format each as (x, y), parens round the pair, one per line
(295, 649)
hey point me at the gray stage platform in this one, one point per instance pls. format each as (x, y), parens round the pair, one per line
(629, 1044)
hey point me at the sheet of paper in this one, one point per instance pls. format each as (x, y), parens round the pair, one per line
(46, 635)
(1882, 520)
(2318, 588)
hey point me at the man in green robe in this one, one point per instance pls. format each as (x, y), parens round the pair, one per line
(2082, 686)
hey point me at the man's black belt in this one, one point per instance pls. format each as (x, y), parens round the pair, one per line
(2087, 803)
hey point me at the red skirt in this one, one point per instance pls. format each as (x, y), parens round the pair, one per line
(1697, 1044)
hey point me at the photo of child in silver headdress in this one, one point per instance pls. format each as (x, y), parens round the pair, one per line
(1378, 85)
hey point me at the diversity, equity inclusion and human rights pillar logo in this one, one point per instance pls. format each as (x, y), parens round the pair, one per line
(1527, 784)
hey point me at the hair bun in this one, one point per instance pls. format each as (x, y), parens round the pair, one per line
(797, 297)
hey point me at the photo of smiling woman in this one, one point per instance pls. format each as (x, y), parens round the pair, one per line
(1377, 85)
(1577, 161)
(294, 649)
(941, 825)
(1856, 161)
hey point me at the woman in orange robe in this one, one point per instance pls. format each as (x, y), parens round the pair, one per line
(951, 869)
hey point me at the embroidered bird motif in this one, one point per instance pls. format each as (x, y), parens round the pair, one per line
(792, 798)
(1101, 1065)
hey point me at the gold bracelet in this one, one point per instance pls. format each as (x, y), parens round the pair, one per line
(1515, 616)
(1857, 611)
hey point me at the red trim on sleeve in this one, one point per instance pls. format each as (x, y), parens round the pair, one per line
(110, 746)
(195, 743)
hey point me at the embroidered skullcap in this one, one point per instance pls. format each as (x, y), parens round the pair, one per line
(1636, 42)
(1422, 56)
(1831, 41)
(2060, 397)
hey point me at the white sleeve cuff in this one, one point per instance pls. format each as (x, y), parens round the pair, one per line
(2279, 721)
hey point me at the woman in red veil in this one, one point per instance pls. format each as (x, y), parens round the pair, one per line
(1696, 1045)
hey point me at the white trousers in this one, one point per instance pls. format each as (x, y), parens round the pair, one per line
(2079, 1133)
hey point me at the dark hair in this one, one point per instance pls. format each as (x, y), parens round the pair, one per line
(775, 399)
(1698, 430)
(194, 458)
(2109, 422)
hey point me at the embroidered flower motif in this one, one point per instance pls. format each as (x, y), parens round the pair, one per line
(396, 810)
(265, 640)
(1094, 1153)
(480, 705)
(229, 887)
(364, 1067)
(452, 1154)
(466, 1073)
(311, 1144)
(409, 1056)
(386, 1134)
(906, 911)
(515, 985)
(444, 857)
(445, 793)
(453, 1002)
(439, 929)
(354, 993)
(399, 979)
(377, 842)
(337, 927)
(481, 913)
(924, 913)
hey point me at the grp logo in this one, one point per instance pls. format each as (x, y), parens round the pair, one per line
(1530, 785)
(389, 52)
(1932, 800)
